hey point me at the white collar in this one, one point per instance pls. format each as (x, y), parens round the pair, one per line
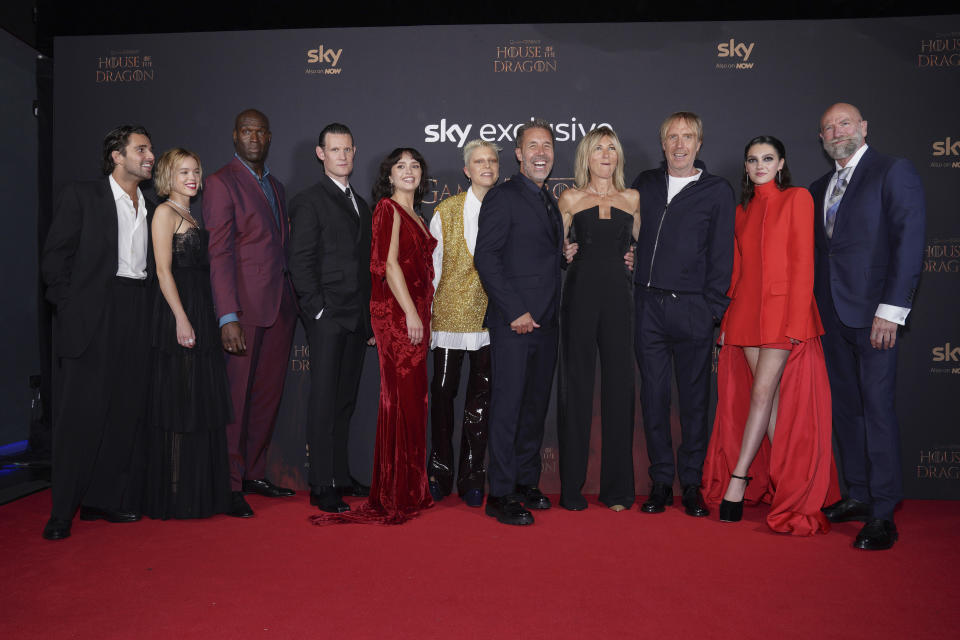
(119, 193)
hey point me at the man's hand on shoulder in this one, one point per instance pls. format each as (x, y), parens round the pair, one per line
(234, 342)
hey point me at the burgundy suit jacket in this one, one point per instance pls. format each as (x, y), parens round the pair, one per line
(248, 262)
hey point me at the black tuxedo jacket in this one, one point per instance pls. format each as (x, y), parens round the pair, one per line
(329, 255)
(518, 254)
(79, 261)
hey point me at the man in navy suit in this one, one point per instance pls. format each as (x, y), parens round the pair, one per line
(869, 229)
(518, 256)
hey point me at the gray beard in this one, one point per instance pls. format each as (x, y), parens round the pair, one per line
(843, 150)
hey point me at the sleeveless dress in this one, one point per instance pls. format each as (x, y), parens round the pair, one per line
(597, 312)
(188, 473)
(772, 301)
(398, 490)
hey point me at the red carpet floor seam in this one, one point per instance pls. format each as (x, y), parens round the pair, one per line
(456, 573)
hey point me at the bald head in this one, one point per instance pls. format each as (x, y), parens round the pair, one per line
(247, 114)
(843, 131)
(251, 138)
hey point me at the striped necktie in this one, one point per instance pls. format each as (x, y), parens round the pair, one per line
(833, 203)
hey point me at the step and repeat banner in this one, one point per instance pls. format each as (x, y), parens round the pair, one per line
(436, 87)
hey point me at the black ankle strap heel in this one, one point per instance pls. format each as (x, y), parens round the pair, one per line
(733, 511)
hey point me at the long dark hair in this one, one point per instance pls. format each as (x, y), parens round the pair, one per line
(382, 187)
(782, 178)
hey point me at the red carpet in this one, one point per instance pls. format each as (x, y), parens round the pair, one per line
(455, 573)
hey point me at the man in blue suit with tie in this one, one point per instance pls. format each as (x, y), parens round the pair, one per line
(518, 255)
(869, 232)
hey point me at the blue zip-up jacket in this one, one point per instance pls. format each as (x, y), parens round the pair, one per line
(686, 246)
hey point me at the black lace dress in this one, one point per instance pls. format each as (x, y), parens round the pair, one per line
(188, 473)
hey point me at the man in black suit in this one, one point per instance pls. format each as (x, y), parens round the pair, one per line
(96, 263)
(330, 268)
(518, 256)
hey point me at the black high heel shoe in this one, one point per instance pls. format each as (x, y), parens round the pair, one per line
(733, 511)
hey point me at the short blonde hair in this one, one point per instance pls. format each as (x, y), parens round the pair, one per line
(166, 168)
(581, 165)
(475, 144)
(692, 119)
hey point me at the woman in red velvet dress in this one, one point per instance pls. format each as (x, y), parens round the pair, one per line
(772, 379)
(401, 268)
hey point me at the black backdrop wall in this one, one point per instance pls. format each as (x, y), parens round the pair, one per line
(435, 87)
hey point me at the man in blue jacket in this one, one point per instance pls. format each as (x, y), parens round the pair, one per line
(682, 273)
(869, 231)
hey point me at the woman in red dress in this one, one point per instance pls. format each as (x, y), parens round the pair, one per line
(401, 268)
(772, 380)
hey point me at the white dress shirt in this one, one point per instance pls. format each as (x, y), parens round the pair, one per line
(471, 216)
(885, 311)
(132, 234)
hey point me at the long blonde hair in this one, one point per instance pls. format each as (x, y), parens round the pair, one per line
(581, 165)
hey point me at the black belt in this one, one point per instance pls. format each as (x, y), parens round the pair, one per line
(129, 282)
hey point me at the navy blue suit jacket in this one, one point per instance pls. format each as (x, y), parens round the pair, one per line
(876, 253)
(518, 254)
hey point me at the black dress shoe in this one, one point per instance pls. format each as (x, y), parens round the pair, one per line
(876, 535)
(660, 496)
(239, 507)
(92, 513)
(328, 499)
(573, 503)
(266, 488)
(508, 510)
(692, 501)
(848, 509)
(56, 529)
(532, 497)
(473, 498)
(435, 492)
(354, 489)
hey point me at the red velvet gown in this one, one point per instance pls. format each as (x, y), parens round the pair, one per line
(771, 302)
(399, 488)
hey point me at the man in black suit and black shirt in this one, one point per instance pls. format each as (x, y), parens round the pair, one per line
(330, 267)
(96, 264)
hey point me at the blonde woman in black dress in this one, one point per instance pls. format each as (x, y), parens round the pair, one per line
(602, 217)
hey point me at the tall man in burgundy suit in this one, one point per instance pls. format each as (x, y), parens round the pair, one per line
(244, 209)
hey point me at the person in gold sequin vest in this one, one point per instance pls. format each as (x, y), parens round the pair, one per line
(457, 327)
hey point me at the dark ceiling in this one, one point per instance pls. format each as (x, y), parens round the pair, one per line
(37, 22)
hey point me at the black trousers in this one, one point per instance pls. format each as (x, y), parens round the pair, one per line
(522, 369)
(336, 361)
(674, 331)
(99, 431)
(471, 471)
(585, 328)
